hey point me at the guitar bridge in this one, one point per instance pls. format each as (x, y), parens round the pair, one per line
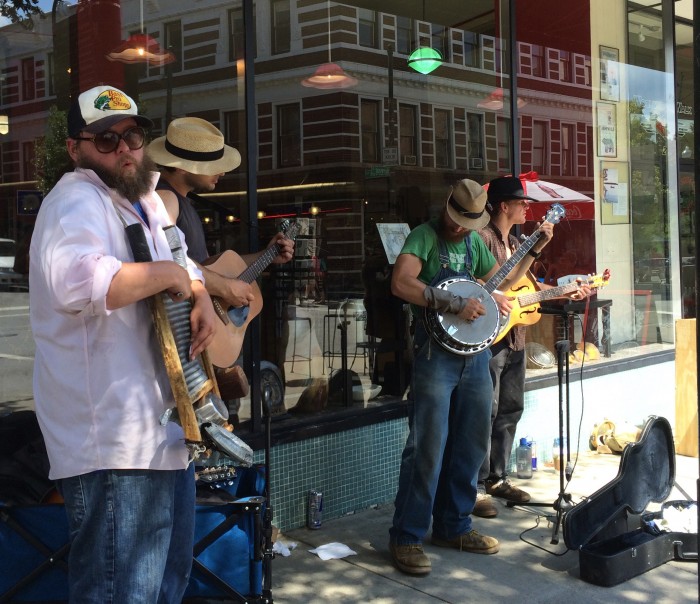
(221, 313)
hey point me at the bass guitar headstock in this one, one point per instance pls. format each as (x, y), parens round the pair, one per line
(555, 213)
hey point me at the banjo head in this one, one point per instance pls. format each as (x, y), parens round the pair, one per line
(459, 336)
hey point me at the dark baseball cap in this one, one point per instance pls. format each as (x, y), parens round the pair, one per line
(506, 188)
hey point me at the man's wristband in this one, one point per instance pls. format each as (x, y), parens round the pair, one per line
(443, 301)
(534, 254)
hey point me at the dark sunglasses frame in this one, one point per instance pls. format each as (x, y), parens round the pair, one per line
(114, 139)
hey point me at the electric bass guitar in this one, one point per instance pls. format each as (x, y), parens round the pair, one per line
(455, 334)
(228, 337)
(527, 298)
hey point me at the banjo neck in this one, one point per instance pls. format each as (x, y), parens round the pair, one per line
(492, 284)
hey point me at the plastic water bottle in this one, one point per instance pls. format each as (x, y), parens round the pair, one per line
(533, 447)
(523, 459)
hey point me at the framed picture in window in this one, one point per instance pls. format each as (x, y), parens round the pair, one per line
(609, 74)
(606, 114)
(614, 192)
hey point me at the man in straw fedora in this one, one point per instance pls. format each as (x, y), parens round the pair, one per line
(193, 157)
(451, 393)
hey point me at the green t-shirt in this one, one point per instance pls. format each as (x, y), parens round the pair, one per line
(422, 242)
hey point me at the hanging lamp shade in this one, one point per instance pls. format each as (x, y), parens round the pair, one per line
(141, 48)
(495, 101)
(329, 75)
(425, 59)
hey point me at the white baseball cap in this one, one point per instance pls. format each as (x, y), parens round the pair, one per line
(101, 107)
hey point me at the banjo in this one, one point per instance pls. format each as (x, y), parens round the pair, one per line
(461, 337)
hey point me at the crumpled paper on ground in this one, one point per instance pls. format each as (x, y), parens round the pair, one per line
(330, 551)
(284, 549)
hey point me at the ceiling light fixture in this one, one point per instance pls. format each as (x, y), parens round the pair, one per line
(329, 75)
(425, 59)
(141, 48)
(494, 101)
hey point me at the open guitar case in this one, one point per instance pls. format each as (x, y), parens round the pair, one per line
(233, 531)
(614, 536)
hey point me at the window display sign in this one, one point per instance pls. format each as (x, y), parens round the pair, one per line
(607, 129)
(393, 236)
(609, 74)
(615, 205)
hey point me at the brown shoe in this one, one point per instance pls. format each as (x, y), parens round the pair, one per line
(484, 506)
(472, 541)
(506, 490)
(410, 558)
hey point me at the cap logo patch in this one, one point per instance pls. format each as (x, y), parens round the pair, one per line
(112, 100)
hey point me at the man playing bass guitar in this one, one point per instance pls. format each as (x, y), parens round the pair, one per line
(507, 205)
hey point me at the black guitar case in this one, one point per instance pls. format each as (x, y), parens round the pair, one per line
(611, 548)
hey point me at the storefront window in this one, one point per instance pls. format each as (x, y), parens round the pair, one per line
(357, 163)
(685, 150)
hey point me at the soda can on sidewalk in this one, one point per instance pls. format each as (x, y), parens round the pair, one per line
(315, 510)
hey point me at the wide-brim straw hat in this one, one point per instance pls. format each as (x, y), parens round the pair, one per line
(466, 205)
(196, 146)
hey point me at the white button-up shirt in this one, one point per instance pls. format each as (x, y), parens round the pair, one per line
(100, 384)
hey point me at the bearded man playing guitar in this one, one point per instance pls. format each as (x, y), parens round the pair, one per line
(451, 391)
(507, 205)
(193, 157)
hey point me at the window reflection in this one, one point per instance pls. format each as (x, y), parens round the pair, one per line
(384, 151)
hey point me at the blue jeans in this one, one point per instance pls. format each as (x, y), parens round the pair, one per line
(508, 374)
(132, 533)
(447, 440)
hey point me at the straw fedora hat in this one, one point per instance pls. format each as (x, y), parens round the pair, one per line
(466, 203)
(196, 146)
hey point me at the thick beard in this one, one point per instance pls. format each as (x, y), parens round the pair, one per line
(132, 187)
(449, 235)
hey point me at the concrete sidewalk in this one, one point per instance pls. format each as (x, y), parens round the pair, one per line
(528, 568)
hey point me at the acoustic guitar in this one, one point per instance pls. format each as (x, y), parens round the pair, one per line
(228, 337)
(527, 300)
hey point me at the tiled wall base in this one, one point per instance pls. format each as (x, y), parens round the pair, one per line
(359, 468)
(354, 470)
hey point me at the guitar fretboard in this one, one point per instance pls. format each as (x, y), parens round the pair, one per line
(547, 294)
(255, 269)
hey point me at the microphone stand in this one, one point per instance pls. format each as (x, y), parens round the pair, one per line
(563, 502)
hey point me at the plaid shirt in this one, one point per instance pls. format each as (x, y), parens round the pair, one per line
(493, 239)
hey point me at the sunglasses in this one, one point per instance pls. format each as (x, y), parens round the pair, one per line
(108, 141)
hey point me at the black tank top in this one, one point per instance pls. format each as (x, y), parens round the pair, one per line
(189, 222)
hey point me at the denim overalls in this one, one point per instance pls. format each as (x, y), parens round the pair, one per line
(449, 432)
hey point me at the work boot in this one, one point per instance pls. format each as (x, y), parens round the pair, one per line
(484, 506)
(472, 541)
(504, 489)
(410, 558)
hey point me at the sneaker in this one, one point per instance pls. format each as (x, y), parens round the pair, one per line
(506, 490)
(484, 506)
(472, 541)
(410, 558)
